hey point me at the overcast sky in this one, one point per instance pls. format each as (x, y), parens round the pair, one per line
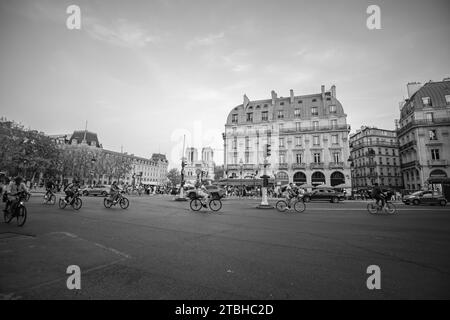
(143, 73)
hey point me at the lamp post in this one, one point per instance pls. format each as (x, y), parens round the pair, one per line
(267, 152)
(241, 167)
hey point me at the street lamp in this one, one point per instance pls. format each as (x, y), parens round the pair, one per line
(241, 167)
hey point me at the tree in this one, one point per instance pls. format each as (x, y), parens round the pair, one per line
(174, 176)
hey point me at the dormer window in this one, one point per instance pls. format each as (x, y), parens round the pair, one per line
(447, 98)
(426, 101)
(314, 100)
(314, 111)
(297, 113)
(300, 101)
(281, 103)
(332, 109)
(234, 118)
(280, 114)
(250, 117)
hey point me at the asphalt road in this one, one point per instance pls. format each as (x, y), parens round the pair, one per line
(159, 249)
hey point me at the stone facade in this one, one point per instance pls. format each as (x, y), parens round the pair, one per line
(194, 165)
(424, 133)
(308, 137)
(382, 166)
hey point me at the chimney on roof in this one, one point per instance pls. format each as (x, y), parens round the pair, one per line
(274, 97)
(333, 91)
(322, 89)
(292, 96)
(412, 88)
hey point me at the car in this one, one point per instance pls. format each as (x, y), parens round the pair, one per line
(98, 190)
(213, 190)
(321, 194)
(425, 197)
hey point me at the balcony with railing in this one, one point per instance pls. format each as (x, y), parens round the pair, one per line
(315, 129)
(409, 164)
(298, 166)
(437, 163)
(336, 165)
(317, 165)
(283, 166)
(424, 122)
(408, 145)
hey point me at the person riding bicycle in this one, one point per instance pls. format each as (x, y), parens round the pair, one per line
(378, 195)
(114, 192)
(202, 193)
(14, 189)
(49, 186)
(290, 193)
(70, 190)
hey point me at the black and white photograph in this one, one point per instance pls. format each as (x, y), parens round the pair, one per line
(224, 156)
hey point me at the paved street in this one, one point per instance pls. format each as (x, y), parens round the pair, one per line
(159, 249)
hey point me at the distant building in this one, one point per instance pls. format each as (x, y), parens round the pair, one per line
(308, 136)
(147, 171)
(375, 158)
(199, 169)
(424, 134)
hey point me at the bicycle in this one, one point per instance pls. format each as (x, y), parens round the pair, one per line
(49, 197)
(297, 203)
(76, 202)
(375, 208)
(197, 203)
(20, 210)
(121, 200)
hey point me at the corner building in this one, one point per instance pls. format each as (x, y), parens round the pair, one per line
(308, 136)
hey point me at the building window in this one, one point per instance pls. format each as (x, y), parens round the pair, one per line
(281, 142)
(332, 109)
(435, 154)
(316, 140)
(426, 101)
(234, 118)
(298, 158)
(297, 126)
(297, 113)
(432, 134)
(314, 111)
(280, 114)
(247, 143)
(336, 157)
(298, 141)
(316, 157)
(280, 127)
(334, 139)
(315, 125)
(282, 157)
(429, 116)
(250, 117)
(234, 130)
(265, 116)
(247, 157)
(334, 124)
(447, 98)
(234, 146)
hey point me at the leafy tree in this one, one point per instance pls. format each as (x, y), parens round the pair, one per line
(174, 176)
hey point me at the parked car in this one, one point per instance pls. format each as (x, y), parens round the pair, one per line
(324, 194)
(99, 190)
(425, 197)
(213, 190)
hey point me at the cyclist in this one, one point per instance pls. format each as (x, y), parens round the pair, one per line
(70, 190)
(378, 195)
(114, 192)
(49, 186)
(15, 187)
(290, 193)
(202, 193)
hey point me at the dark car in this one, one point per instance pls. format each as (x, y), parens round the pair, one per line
(215, 192)
(324, 194)
(425, 197)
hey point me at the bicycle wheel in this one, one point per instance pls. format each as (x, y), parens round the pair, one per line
(62, 203)
(281, 205)
(299, 206)
(390, 208)
(196, 204)
(77, 203)
(215, 204)
(107, 203)
(52, 200)
(372, 208)
(7, 216)
(21, 216)
(124, 203)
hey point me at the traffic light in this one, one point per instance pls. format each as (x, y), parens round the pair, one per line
(268, 150)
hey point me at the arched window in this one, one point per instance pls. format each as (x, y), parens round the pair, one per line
(299, 178)
(282, 177)
(317, 178)
(337, 178)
